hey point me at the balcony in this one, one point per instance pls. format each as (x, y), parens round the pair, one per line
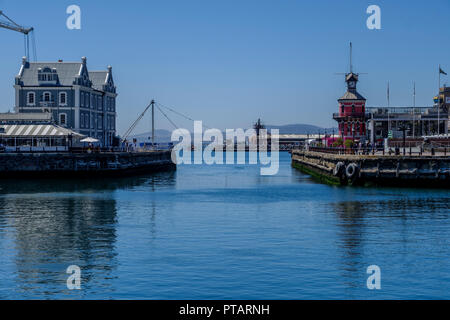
(47, 104)
(337, 116)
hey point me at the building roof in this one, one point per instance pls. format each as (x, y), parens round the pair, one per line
(67, 72)
(98, 79)
(35, 130)
(351, 76)
(40, 116)
(352, 95)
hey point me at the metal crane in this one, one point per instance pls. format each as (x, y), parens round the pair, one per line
(11, 25)
(135, 123)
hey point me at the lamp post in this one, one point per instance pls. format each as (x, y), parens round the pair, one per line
(403, 127)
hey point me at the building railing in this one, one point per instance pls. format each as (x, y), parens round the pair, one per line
(406, 149)
(394, 110)
(47, 104)
(350, 115)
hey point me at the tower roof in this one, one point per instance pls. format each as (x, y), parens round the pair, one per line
(354, 95)
(351, 76)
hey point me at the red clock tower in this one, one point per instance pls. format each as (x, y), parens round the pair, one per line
(351, 117)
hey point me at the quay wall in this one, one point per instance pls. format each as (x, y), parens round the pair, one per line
(421, 171)
(83, 164)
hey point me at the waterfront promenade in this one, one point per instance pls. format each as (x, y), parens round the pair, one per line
(374, 168)
(82, 163)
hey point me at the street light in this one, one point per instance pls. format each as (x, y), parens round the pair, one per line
(403, 127)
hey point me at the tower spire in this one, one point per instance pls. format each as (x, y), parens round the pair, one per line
(351, 64)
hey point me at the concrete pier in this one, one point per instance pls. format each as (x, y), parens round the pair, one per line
(418, 171)
(64, 164)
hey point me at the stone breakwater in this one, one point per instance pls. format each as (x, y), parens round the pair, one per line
(418, 171)
(27, 165)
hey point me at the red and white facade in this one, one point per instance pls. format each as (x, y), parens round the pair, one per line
(351, 117)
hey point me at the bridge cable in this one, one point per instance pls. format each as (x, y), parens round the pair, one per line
(180, 114)
(167, 117)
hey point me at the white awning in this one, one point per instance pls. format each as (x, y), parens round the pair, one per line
(35, 130)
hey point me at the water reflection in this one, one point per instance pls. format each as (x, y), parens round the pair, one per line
(351, 225)
(54, 224)
(157, 180)
(368, 229)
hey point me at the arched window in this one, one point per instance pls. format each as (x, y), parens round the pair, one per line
(62, 99)
(62, 119)
(47, 74)
(47, 97)
(353, 108)
(31, 98)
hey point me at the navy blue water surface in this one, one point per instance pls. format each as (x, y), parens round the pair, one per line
(221, 232)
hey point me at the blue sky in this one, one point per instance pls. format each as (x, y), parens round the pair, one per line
(229, 62)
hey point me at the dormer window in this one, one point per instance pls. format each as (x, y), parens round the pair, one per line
(47, 75)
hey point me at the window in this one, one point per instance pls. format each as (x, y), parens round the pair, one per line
(47, 96)
(31, 98)
(100, 121)
(82, 120)
(62, 119)
(353, 108)
(86, 121)
(62, 98)
(82, 99)
(47, 74)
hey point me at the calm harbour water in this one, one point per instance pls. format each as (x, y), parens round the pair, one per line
(221, 232)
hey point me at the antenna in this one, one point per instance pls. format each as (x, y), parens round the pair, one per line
(351, 66)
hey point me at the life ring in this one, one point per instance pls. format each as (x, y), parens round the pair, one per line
(338, 168)
(351, 170)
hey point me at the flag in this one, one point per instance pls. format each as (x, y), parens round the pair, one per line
(442, 71)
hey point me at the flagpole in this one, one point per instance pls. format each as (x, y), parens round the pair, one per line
(414, 110)
(438, 95)
(389, 105)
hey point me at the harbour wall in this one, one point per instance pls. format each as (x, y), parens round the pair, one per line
(417, 171)
(63, 164)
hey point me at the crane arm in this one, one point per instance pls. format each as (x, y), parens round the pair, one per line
(131, 128)
(11, 25)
